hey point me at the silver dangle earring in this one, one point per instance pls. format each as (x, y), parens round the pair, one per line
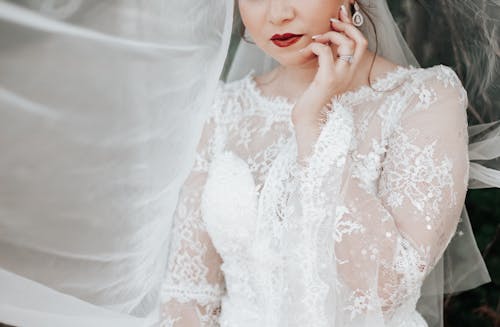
(357, 18)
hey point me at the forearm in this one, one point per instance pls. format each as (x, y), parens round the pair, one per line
(306, 136)
(308, 117)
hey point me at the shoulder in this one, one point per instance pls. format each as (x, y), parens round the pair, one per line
(442, 80)
(438, 102)
(221, 112)
(230, 98)
(231, 92)
(438, 73)
(437, 87)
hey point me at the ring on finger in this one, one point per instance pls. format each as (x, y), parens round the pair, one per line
(347, 58)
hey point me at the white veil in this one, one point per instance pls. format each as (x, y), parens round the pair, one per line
(101, 106)
(462, 266)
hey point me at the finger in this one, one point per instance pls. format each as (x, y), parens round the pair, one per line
(306, 52)
(353, 33)
(325, 56)
(321, 39)
(325, 59)
(336, 38)
(344, 15)
(345, 46)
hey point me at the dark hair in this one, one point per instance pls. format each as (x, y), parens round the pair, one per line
(241, 29)
(370, 19)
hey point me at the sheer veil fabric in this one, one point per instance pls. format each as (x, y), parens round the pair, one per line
(101, 107)
(102, 104)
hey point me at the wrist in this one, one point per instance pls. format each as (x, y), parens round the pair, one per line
(306, 135)
(305, 122)
(310, 118)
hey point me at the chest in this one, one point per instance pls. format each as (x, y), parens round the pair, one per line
(252, 157)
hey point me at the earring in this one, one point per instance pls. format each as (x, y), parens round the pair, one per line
(357, 18)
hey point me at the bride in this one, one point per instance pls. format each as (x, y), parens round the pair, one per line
(325, 186)
(324, 191)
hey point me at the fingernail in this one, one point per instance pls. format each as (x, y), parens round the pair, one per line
(334, 20)
(344, 9)
(315, 36)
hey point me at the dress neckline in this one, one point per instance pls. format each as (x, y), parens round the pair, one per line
(382, 82)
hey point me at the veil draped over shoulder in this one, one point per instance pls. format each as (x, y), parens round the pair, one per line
(101, 107)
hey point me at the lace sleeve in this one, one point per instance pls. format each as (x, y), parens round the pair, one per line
(390, 230)
(194, 283)
(403, 230)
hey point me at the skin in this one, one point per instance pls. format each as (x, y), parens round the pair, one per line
(310, 73)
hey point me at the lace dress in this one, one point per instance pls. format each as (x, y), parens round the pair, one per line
(345, 240)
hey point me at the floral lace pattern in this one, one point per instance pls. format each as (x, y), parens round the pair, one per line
(345, 240)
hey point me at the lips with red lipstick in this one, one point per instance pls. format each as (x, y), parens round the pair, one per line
(285, 40)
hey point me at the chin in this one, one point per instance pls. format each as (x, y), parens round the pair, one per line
(286, 57)
(293, 59)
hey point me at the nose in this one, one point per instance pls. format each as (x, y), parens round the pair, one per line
(280, 12)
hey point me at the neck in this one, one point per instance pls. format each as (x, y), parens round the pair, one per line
(300, 76)
(291, 81)
(294, 80)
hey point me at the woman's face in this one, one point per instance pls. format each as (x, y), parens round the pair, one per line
(264, 19)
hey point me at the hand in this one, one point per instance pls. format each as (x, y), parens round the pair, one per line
(334, 75)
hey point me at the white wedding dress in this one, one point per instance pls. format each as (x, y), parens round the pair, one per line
(346, 240)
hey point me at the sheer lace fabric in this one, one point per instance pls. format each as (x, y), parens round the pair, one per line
(345, 240)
